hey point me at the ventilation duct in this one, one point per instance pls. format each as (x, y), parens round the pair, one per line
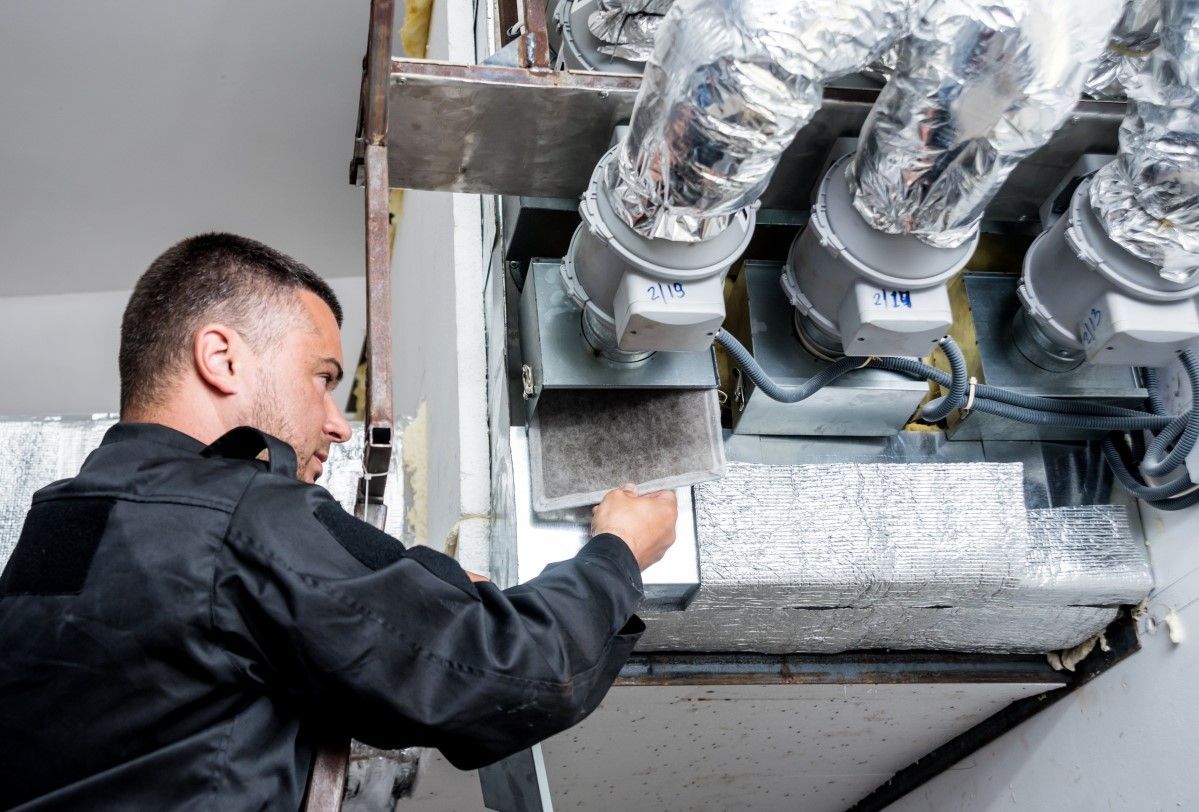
(1148, 199)
(1116, 279)
(977, 87)
(1133, 39)
(729, 85)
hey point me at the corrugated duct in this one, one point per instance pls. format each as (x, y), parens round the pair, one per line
(627, 27)
(728, 86)
(978, 86)
(1148, 199)
(1135, 36)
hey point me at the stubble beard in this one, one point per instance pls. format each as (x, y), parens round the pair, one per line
(267, 414)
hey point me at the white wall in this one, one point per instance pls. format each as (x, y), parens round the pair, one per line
(1125, 741)
(60, 350)
(130, 124)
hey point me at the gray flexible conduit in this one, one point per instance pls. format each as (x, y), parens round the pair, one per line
(772, 390)
(959, 383)
(1027, 409)
(1186, 428)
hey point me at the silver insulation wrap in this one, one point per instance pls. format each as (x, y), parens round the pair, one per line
(1148, 199)
(979, 85)
(627, 27)
(40, 451)
(1133, 39)
(728, 86)
(826, 558)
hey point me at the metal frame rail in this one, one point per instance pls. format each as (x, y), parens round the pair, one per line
(327, 783)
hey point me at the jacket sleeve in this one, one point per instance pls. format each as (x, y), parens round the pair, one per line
(397, 647)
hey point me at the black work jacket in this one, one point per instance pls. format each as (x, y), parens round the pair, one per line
(179, 627)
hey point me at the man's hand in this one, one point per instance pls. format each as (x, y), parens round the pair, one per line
(476, 578)
(645, 523)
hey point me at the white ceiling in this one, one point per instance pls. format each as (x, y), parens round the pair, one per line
(127, 125)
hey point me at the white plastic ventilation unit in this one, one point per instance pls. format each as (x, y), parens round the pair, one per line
(976, 89)
(1116, 279)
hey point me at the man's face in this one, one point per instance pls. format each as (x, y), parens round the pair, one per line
(293, 399)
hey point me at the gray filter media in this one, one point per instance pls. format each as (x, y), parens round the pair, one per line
(828, 558)
(584, 442)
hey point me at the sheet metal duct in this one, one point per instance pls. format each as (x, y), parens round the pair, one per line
(1148, 199)
(978, 86)
(729, 84)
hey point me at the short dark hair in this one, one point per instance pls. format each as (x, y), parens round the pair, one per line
(211, 277)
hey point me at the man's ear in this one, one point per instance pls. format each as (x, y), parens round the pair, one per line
(219, 355)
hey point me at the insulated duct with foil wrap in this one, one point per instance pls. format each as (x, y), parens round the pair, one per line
(978, 86)
(40, 451)
(627, 27)
(1135, 36)
(1148, 199)
(729, 84)
(829, 558)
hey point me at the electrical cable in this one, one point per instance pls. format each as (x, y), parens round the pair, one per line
(1182, 431)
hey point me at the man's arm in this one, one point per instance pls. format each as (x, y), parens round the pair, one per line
(400, 648)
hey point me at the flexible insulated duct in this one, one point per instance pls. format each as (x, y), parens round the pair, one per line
(1133, 39)
(978, 86)
(728, 86)
(1148, 199)
(627, 27)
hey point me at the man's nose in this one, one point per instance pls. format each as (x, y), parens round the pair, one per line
(336, 425)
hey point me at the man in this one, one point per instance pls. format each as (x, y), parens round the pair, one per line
(182, 622)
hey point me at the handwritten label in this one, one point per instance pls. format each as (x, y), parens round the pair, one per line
(1091, 324)
(666, 292)
(893, 299)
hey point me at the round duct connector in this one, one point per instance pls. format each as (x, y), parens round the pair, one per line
(580, 49)
(860, 291)
(644, 295)
(1085, 296)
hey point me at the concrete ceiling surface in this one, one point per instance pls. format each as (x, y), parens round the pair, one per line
(130, 124)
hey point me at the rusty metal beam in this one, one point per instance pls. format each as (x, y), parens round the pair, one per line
(327, 784)
(535, 42)
(376, 457)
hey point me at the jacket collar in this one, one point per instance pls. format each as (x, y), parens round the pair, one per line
(152, 433)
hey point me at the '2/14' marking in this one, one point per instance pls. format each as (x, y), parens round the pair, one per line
(893, 299)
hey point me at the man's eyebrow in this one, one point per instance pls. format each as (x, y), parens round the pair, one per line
(340, 372)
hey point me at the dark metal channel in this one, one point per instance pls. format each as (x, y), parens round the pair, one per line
(862, 667)
(1122, 642)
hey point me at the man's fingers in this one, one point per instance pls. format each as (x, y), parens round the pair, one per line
(630, 488)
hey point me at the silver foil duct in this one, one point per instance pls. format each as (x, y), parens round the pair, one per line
(627, 27)
(827, 558)
(790, 630)
(979, 85)
(1082, 556)
(1148, 199)
(856, 535)
(728, 86)
(1133, 39)
(40, 451)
